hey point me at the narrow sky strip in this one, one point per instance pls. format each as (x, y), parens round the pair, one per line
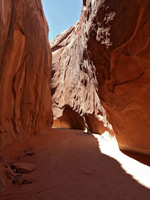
(61, 15)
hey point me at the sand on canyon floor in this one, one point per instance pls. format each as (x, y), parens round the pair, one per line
(70, 166)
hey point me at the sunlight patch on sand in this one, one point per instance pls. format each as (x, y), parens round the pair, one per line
(108, 145)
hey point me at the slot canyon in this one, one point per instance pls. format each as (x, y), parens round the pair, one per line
(75, 111)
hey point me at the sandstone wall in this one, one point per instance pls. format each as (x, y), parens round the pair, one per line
(70, 119)
(25, 65)
(102, 67)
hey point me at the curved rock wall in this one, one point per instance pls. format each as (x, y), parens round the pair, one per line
(25, 63)
(70, 119)
(101, 67)
(74, 80)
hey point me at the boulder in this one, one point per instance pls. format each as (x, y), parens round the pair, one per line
(23, 168)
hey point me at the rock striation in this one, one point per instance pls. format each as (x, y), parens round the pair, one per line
(101, 69)
(25, 69)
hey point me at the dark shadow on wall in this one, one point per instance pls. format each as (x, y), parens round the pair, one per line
(70, 119)
(145, 159)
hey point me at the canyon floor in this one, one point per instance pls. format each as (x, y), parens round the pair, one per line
(70, 166)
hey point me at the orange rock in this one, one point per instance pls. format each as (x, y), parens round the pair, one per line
(70, 119)
(23, 168)
(29, 152)
(25, 65)
(101, 68)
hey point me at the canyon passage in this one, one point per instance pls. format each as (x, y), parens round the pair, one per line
(74, 111)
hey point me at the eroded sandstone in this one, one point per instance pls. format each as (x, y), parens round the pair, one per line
(101, 68)
(70, 119)
(25, 62)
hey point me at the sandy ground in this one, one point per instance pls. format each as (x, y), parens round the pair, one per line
(70, 166)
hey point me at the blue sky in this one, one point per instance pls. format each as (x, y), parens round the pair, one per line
(61, 14)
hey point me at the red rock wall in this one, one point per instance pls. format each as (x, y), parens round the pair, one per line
(74, 81)
(25, 62)
(103, 64)
(70, 119)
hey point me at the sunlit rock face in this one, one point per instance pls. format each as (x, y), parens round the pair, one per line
(74, 80)
(25, 62)
(101, 67)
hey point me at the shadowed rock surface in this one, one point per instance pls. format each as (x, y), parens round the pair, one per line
(70, 119)
(25, 62)
(101, 67)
